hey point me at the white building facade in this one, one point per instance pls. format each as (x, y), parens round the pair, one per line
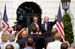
(49, 8)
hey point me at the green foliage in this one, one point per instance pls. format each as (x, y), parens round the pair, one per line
(68, 28)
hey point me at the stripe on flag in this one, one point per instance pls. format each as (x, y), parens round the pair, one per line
(59, 24)
(5, 19)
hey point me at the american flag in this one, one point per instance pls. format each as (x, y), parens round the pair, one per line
(59, 24)
(5, 18)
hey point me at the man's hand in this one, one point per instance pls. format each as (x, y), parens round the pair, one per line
(55, 17)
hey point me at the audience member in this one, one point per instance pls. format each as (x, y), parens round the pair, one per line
(18, 28)
(55, 44)
(12, 41)
(49, 36)
(29, 43)
(64, 46)
(4, 30)
(9, 46)
(22, 37)
(4, 39)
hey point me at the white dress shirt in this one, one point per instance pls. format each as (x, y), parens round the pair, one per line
(36, 25)
(46, 26)
(54, 45)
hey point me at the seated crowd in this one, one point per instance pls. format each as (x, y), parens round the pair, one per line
(37, 36)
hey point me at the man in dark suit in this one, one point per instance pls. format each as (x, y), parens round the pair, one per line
(36, 33)
(46, 30)
(47, 26)
(35, 23)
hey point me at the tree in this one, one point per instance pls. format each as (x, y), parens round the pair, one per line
(68, 28)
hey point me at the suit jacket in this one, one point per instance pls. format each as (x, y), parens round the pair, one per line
(49, 26)
(31, 25)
